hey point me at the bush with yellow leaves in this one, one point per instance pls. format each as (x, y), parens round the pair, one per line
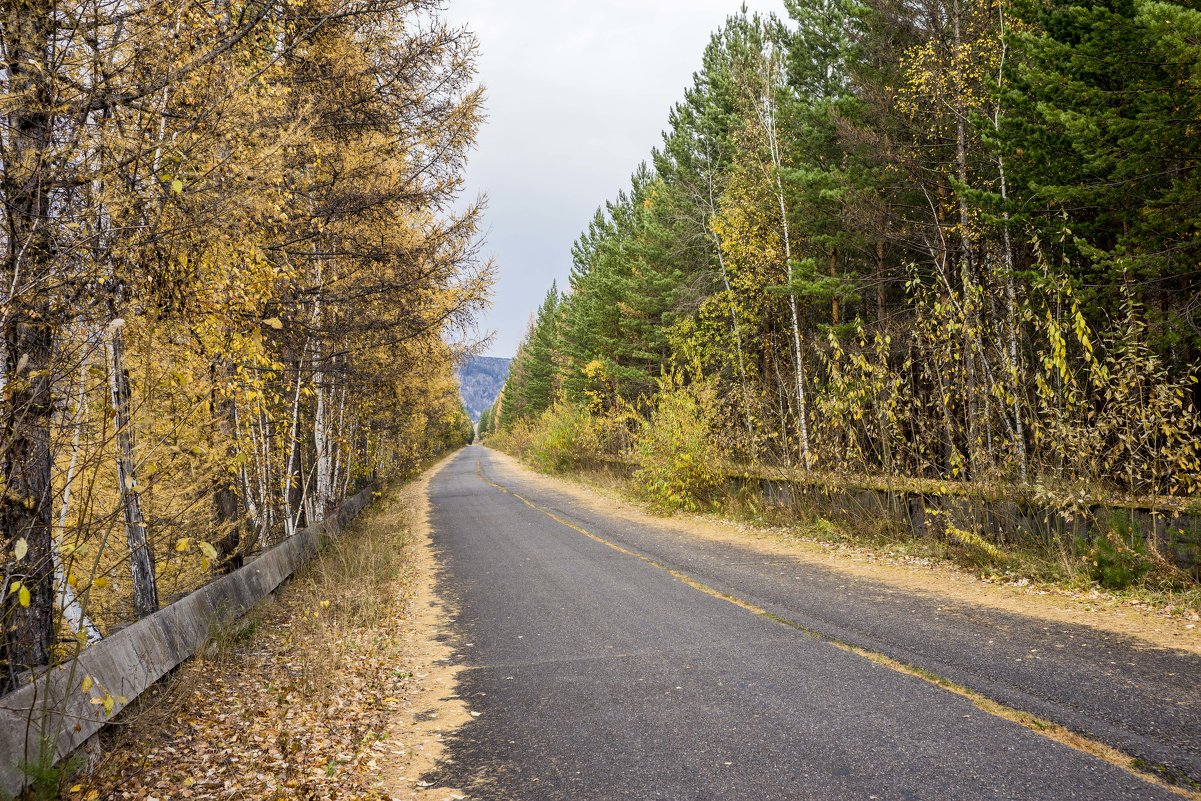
(680, 464)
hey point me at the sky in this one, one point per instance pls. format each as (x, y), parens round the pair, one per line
(577, 95)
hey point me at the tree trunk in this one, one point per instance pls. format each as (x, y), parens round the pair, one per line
(338, 448)
(769, 127)
(72, 610)
(141, 558)
(835, 311)
(266, 501)
(225, 492)
(290, 468)
(880, 284)
(26, 508)
(323, 494)
(970, 318)
(1011, 326)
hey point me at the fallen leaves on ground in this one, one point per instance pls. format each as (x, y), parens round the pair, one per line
(297, 701)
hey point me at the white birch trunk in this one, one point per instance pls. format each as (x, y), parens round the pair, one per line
(263, 458)
(72, 609)
(1010, 291)
(768, 121)
(324, 491)
(338, 447)
(293, 431)
(248, 497)
(971, 320)
(141, 558)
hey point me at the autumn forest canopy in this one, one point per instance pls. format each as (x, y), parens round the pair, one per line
(233, 254)
(945, 241)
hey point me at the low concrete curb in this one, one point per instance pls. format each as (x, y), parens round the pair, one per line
(55, 708)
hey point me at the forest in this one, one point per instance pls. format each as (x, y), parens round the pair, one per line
(232, 256)
(944, 241)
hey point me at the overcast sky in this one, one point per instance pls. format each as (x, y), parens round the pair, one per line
(578, 93)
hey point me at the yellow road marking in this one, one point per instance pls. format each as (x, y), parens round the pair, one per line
(1040, 726)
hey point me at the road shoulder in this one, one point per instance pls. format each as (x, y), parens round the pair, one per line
(1147, 626)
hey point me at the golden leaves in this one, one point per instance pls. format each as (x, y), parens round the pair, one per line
(292, 706)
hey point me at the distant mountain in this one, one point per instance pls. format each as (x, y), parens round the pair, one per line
(481, 379)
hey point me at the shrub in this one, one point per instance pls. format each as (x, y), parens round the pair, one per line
(679, 461)
(1117, 559)
(514, 439)
(563, 437)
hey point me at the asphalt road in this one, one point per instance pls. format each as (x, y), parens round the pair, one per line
(600, 675)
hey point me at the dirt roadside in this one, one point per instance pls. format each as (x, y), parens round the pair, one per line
(926, 576)
(433, 708)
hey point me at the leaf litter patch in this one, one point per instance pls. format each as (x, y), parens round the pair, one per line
(341, 688)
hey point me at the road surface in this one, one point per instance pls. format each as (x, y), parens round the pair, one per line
(601, 670)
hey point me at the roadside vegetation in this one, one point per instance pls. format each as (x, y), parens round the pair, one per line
(230, 275)
(946, 249)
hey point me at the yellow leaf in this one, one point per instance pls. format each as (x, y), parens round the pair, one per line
(109, 703)
(100, 583)
(77, 788)
(176, 186)
(208, 550)
(16, 585)
(20, 548)
(23, 596)
(273, 322)
(182, 545)
(86, 686)
(92, 795)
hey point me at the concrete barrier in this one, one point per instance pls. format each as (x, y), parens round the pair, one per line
(55, 713)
